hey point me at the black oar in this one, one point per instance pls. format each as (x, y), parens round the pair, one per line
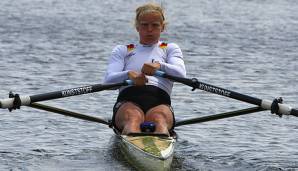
(275, 106)
(15, 101)
(69, 113)
(218, 116)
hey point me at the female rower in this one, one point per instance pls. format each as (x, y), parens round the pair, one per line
(149, 100)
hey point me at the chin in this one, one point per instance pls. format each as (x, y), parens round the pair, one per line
(150, 42)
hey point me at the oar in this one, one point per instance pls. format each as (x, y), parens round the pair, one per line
(274, 105)
(218, 116)
(69, 113)
(15, 101)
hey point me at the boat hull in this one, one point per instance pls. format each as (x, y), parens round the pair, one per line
(148, 152)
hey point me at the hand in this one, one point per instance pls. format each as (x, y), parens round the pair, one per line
(150, 68)
(139, 79)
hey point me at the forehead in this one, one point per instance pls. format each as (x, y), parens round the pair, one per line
(151, 16)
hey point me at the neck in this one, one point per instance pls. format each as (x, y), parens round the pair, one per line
(149, 44)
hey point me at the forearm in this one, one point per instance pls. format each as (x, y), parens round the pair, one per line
(175, 66)
(115, 77)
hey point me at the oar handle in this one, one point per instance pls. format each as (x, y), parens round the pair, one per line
(294, 112)
(265, 104)
(15, 101)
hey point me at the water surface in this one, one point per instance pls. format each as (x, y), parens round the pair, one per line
(248, 46)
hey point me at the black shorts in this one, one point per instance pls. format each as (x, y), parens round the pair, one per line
(145, 97)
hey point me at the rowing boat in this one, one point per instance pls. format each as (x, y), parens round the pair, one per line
(148, 151)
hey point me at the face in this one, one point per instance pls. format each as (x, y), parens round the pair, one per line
(150, 26)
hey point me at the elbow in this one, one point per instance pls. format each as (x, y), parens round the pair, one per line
(178, 73)
(184, 74)
(181, 74)
(177, 70)
(107, 79)
(112, 77)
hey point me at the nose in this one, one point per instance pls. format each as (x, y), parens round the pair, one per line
(150, 27)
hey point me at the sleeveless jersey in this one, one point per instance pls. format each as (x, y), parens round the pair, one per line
(132, 57)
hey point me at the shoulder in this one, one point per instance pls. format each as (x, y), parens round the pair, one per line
(119, 48)
(173, 46)
(127, 47)
(168, 46)
(123, 49)
(130, 47)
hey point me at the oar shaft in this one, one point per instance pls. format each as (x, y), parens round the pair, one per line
(219, 116)
(265, 104)
(213, 89)
(73, 92)
(68, 113)
(27, 100)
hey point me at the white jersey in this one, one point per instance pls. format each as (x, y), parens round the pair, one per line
(133, 56)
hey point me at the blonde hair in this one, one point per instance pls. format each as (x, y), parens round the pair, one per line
(149, 8)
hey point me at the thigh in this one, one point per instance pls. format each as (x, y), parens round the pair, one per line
(161, 112)
(128, 112)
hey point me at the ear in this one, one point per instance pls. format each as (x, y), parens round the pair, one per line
(163, 27)
(137, 27)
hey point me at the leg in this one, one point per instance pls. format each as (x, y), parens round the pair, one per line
(162, 116)
(129, 117)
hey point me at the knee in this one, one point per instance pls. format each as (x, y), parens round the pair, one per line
(133, 115)
(162, 116)
(130, 112)
(156, 117)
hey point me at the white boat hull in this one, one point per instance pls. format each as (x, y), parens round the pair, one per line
(147, 152)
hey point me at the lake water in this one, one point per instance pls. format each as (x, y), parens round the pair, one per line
(248, 46)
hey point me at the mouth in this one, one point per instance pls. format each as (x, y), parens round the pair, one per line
(149, 36)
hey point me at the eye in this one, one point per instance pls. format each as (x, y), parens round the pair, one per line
(156, 25)
(144, 24)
